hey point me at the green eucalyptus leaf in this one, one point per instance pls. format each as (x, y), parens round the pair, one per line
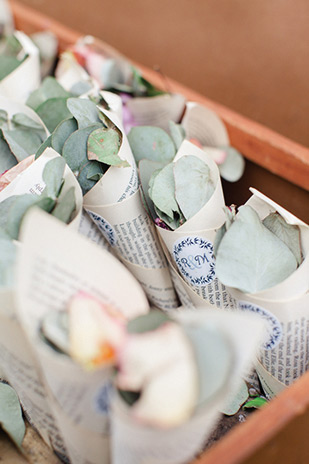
(235, 401)
(104, 145)
(43, 146)
(288, 233)
(178, 133)
(65, 206)
(193, 184)
(173, 223)
(21, 119)
(255, 403)
(22, 143)
(234, 165)
(62, 133)
(79, 88)
(53, 176)
(7, 159)
(75, 148)
(84, 111)
(11, 419)
(250, 257)
(12, 210)
(7, 65)
(53, 111)
(87, 178)
(162, 191)
(50, 88)
(45, 203)
(142, 87)
(146, 169)
(152, 143)
(213, 370)
(148, 322)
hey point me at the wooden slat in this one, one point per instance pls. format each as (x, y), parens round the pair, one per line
(261, 145)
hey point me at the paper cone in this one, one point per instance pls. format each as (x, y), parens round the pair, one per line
(285, 353)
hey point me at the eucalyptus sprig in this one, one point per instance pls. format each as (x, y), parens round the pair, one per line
(11, 55)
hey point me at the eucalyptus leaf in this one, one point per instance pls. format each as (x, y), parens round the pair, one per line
(235, 401)
(75, 148)
(142, 87)
(50, 88)
(12, 210)
(55, 328)
(146, 169)
(4, 118)
(173, 223)
(213, 371)
(86, 176)
(43, 146)
(11, 419)
(193, 184)
(148, 322)
(178, 133)
(234, 165)
(53, 111)
(80, 88)
(250, 257)
(21, 119)
(152, 143)
(230, 212)
(84, 111)
(22, 143)
(65, 206)
(288, 233)
(7, 65)
(62, 133)
(7, 159)
(103, 145)
(53, 176)
(162, 191)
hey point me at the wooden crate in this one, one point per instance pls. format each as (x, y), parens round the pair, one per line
(279, 168)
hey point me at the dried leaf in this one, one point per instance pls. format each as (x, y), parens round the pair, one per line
(250, 257)
(193, 184)
(103, 145)
(152, 143)
(11, 418)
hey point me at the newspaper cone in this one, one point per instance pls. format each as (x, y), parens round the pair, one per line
(285, 353)
(31, 181)
(55, 264)
(26, 77)
(204, 125)
(21, 370)
(134, 442)
(115, 206)
(189, 249)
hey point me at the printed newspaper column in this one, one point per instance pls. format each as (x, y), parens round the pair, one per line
(26, 77)
(285, 307)
(21, 370)
(237, 339)
(115, 205)
(55, 264)
(189, 248)
(31, 181)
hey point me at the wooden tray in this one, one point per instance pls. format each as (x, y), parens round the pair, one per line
(279, 168)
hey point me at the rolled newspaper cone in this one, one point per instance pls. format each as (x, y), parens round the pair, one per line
(115, 206)
(26, 77)
(133, 441)
(55, 264)
(31, 181)
(20, 368)
(284, 356)
(189, 248)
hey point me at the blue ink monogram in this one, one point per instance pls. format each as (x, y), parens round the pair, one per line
(195, 260)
